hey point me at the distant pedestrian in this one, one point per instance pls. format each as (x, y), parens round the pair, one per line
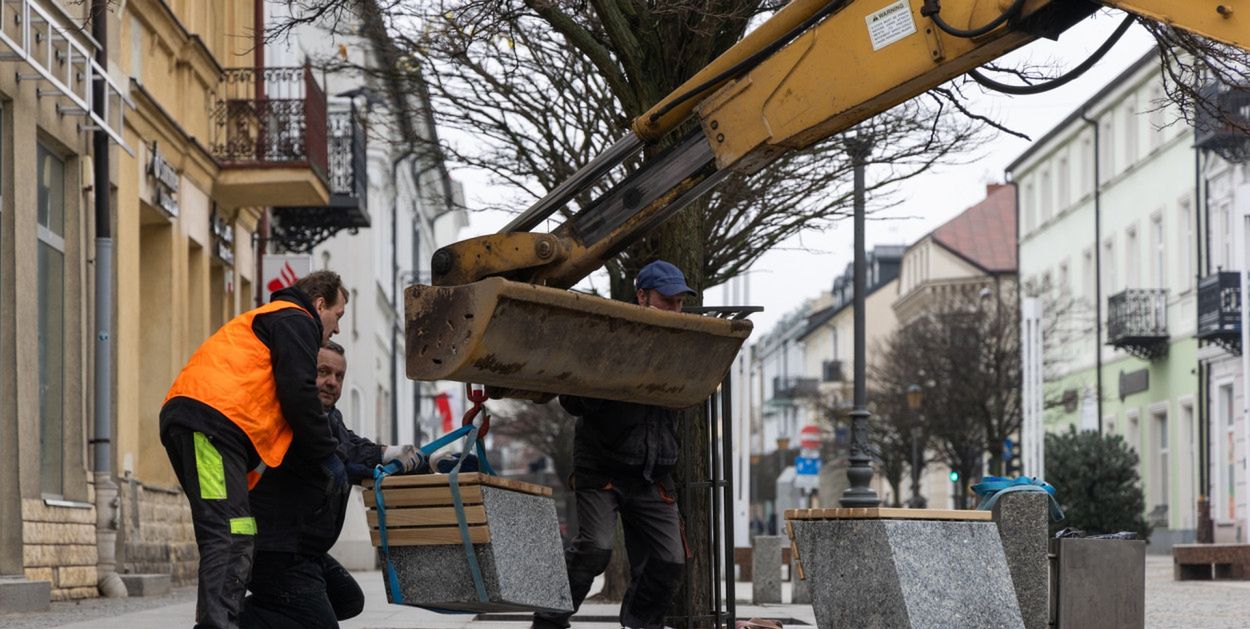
(247, 400)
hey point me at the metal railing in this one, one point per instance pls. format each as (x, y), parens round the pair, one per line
(346, 147)
(271, 116)
(1219, 305)
(1137, 314)
(1224, 123)
(791, 388)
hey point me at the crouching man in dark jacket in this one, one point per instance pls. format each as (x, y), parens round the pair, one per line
(623, 456)
(295, 582)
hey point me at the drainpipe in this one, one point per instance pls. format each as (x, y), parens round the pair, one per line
(407, 154)
(1202, 242)
(107, 501)
(1097, 263)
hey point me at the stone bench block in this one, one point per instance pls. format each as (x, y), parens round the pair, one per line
(879, 573)
(17, 595)
(766, 569)
(146, 584)
(1023, 520)
(515, 535)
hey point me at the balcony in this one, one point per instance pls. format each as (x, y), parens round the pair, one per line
(300, 228)
(269, 136)
(1219, 310)
(1137, 322)
(794, 388)
(1224, 126)
(831, 371)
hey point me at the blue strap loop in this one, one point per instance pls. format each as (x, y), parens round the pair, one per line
(470, 432)
(991, 488)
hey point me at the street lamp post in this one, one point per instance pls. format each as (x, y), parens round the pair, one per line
(915, 396)
(859, 472)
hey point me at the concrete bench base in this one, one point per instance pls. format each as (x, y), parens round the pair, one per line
(907, 573)
(1198, 562)
(18, 595)
(146, 584)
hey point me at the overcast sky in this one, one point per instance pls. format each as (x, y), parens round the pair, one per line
(805, 265)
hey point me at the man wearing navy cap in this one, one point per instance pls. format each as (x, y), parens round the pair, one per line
(623, 457)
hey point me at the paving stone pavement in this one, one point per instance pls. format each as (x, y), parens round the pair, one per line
(1169, 605)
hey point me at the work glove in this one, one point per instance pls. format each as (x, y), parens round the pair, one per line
(447, 461)
(336, 474)
(408, 457)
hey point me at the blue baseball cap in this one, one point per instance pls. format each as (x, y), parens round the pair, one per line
(663, 277)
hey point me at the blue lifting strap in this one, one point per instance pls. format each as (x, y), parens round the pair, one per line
(991, 488)
(454, 483)
(392, 580)
(380, 472)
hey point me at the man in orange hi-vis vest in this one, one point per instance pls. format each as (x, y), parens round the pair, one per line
(245, 401)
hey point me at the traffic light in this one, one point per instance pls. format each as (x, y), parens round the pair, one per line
(954, 476)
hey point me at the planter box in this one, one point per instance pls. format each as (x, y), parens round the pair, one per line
(515, 535)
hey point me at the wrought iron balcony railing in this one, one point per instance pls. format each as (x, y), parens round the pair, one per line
(1223, 124)
(1137, 322)
(299, 229)
(1219, 310)
(270, 117)
(794, 388)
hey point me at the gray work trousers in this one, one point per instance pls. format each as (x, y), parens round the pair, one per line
(653, 541)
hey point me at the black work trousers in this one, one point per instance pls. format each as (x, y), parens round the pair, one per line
(300, 592)
(213, 473)
(653, 541)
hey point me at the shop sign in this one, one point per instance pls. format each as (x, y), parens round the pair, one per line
(165, 182)
(223, 238)
(281, 270)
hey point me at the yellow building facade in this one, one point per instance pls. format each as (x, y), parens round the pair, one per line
(208, 141)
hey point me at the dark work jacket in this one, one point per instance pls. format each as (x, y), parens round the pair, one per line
(293, 339)
(622, 442)
(293, 511)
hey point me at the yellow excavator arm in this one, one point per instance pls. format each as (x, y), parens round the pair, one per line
(498, 313)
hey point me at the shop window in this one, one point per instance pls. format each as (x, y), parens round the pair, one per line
(51, 323)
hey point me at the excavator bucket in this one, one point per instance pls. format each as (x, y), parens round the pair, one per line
(519, 336)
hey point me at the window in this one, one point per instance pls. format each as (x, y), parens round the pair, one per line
(1158, 251)
(1185, 248)
(1226, 465)
(1188, 483)
(1157, 105)
(1108, 266)
(50, 232)
(1130, 135)
(357, 412)
(1026, 207)
(1132, 432)
(1131, 274)
(1087, 165)
(1063, 287)
(1225, 213)
(1063, 176)
(1087, 275)
(1048, 200)
(1159, 466)
(1106, 150)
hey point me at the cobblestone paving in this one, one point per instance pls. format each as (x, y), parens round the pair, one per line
(1193, 604)
(1169, 605)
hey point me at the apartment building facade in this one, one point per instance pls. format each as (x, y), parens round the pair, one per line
(1107, 242)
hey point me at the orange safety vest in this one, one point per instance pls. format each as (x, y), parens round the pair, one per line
(233, 373)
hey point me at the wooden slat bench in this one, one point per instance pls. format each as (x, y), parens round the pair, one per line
(1206, 561)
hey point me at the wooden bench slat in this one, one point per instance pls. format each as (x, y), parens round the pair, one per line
(468, 478)
(425, 497)
(427, 516)
(431, 536)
